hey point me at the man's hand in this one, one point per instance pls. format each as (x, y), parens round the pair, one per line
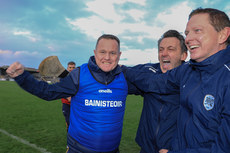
(163, 151)
(15, 69)
(69, 99)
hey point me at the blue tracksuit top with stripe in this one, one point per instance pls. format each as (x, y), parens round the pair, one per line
(203, 122)
(97, 112)
(158, 118)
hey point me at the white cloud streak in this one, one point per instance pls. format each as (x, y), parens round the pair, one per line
(26, 34)
(17, 53)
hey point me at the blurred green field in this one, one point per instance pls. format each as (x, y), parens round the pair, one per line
(41, 123)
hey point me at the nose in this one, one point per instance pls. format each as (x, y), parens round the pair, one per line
(107, 56)
(188, 38)
(165, 52)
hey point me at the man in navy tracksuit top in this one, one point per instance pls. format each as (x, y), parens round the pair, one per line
(158, 119)
(203, 120)
(98, 91)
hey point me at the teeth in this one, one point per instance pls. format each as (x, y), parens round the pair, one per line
(192, 47)
(166, 61)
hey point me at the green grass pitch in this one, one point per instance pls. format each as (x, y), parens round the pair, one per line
(41, 123)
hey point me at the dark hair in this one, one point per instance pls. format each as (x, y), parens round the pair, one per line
(176, 34)
(109, 36)
(218, 19)
(71, 63)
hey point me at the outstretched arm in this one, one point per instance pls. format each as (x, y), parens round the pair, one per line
(65, 88)
(166, 83)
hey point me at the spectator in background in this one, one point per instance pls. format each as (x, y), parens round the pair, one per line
(66, 101)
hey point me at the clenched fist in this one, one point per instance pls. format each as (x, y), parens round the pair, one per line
(15, 69)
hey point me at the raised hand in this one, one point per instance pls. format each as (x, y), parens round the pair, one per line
(15, 69)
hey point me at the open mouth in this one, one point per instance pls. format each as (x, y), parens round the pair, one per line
(166, 61)
(193, 47)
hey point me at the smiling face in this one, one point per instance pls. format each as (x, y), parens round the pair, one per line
(202, 40)
(107, 54)
(170, 54)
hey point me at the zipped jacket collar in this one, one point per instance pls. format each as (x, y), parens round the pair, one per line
(214, 62)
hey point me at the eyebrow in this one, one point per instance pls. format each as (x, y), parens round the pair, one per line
(171, 47)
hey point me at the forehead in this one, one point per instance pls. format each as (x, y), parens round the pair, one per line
(107, 44)
(103, 42)
(198, 20)
(170, 41)
(71, 65)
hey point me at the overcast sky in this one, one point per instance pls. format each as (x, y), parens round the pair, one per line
(31, 30)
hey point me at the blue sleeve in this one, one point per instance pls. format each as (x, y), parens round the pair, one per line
(165, 83)
(65, 88)
(132, 89)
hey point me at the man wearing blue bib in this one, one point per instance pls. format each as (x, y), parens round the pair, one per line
(98, 90)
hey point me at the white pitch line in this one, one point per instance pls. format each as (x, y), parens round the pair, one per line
(24, 141)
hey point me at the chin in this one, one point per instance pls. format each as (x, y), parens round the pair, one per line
(106, 70)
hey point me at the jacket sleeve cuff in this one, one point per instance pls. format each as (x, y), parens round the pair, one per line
(21, 78)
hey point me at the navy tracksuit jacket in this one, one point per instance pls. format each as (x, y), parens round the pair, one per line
(158, 119)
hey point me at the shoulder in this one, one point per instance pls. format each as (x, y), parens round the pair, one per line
(149, 67)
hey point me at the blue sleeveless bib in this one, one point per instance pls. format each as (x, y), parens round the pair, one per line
(97, 111)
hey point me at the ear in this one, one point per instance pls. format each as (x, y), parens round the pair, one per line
(120, 53)
(184, 56)
(224, 34)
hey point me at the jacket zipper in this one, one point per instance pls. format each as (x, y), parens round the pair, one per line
(158, 125)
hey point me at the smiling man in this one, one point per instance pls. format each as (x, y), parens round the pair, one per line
(203, 121)
(158, 119)
(171, 50)
(98, 93)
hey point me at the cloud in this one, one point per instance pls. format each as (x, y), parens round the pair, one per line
(104, 8)
(26, 34)
(23, 53)
(134, 57)
(5, 53)
(175, 17)
(142, 2)
(17, 53)
(26, 57)
(105, 18)
(137, 15)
